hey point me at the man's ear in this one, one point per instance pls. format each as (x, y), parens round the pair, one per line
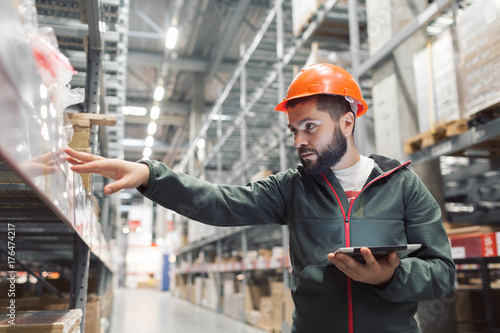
(346, 123)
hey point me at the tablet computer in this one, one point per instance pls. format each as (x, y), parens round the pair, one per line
(380, 251)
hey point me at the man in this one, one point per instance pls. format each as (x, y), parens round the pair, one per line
(335, 198)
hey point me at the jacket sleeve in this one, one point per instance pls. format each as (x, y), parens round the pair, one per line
(261, 202)
(430, 275)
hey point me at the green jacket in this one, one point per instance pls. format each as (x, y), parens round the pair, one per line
(393, 208)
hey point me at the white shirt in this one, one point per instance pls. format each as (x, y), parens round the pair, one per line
(353, 178)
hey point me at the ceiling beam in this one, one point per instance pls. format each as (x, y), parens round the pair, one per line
(172, 108)
(230, 32)
(162, 120)
(182, 63)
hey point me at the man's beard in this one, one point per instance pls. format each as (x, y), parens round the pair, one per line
(332, 155)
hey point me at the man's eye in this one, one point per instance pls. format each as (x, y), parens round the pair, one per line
(310, 126)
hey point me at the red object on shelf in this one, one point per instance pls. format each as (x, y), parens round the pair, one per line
(134, 224)
(475, 245)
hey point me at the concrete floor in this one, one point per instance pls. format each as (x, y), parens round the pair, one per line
(152, 311)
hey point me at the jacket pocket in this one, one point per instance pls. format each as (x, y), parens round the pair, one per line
(317, 301)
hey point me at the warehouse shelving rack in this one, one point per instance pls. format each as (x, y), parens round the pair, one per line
(41, 199)
(270, 146)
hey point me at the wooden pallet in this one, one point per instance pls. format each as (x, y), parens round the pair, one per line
(433, 137)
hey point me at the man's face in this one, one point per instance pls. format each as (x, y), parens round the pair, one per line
(317, 137)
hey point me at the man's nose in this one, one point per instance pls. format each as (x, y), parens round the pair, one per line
(300, 140)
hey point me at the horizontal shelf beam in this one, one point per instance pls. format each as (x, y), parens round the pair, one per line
(476, 135)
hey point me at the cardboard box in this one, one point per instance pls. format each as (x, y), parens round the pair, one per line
(277, 289)
(93, 314)
(289, 306)
(257, 292)
(302, 12)
(266, 311)
(436, 84)
(66, 321)
(253, 317)
(483, 86)
(478, 28)
(475, 245)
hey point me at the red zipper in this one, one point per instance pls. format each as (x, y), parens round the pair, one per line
(348, 234)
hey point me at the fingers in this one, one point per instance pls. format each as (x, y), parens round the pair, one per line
(393, 259)
(345, 263)
(89, 167)
(84, 157)
(118, 186)
(368, 256)
(73, 161)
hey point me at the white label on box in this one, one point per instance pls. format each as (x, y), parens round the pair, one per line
(458, 252)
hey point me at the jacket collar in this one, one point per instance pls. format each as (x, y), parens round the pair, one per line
(382, 165)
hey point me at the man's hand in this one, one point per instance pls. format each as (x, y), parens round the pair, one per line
(372, 272)
(127, 174)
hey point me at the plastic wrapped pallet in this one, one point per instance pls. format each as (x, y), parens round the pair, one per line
(42, 322)
(302, 12)
(479, 35)
(435, 72)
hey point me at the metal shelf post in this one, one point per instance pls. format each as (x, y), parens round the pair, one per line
(78, 292)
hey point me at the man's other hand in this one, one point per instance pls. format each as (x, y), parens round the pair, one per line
(375, 272)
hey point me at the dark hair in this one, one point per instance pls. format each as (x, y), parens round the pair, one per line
(335, 105)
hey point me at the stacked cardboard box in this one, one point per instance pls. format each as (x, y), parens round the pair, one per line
(436, 83)
(479, 35)
(302, 11)
(66, 321)
(97, 307)
(211, 299)
(475, 245)
(271, 306)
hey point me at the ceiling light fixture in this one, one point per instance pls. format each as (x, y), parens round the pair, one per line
(134, 111)
(152, 128)
(171, 38)
(155, 112)
(147, 152)
(150, 141)
(159, 91)
(222, 117)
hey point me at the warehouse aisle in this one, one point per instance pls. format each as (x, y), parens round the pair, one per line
(152, 311)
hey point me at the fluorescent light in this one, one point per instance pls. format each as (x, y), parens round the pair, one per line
(147, 152)
(149, 141)
(159, 91)
(43, 111)
(220, 116)
(155, 112)
(134, 111)
(43, 91)
(152, 128)
(201, 144)
(171, 38)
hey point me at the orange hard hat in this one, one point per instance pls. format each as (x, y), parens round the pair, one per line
(326, 79)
